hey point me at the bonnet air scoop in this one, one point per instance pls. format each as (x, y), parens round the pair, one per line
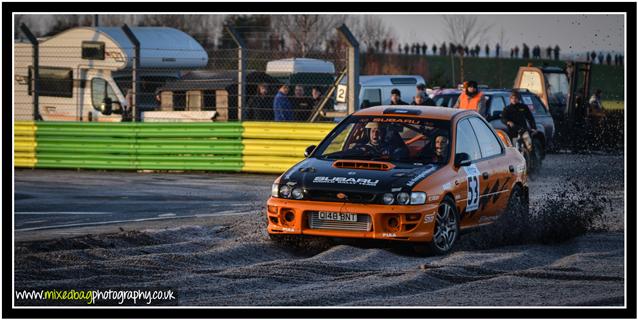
(363, 165)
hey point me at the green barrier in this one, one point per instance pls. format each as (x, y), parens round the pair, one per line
(262, 147)
(140, 130)
(153, 146)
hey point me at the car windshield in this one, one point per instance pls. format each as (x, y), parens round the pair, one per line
(386, 138)
(558, 88)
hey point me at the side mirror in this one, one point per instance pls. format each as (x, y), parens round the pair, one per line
(365, 104)
(309, 150)
(106, 108)
(496, 114)
(462, 159)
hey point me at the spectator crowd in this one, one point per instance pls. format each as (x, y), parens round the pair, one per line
(516, 52)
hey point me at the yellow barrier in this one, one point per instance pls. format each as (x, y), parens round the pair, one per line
(286, 130)
(268, 164)
(274, 147)
(24, 144)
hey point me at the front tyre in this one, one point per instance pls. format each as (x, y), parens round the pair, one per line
(446, 228)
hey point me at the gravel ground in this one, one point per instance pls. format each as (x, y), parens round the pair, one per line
(572, 255)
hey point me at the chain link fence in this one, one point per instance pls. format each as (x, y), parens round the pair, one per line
(88, 75)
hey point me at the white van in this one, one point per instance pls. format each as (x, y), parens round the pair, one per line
(82, 69)
(375, 90)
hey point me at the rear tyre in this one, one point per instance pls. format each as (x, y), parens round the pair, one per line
(538, 154)
(528, 161)
(446, 228)
(515, 219)
(535, 157)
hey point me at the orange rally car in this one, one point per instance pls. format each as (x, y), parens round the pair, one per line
(409, 173)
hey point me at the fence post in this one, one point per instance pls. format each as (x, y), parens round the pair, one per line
(353, 67)
(241, 70)
(135, 73)
(36, 71)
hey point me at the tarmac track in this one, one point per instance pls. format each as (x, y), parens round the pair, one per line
(573, 253)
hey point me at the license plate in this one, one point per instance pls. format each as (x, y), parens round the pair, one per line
(337, 216)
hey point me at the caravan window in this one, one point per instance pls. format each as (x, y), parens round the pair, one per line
(93, 50)
(54, 82)
(101, 89)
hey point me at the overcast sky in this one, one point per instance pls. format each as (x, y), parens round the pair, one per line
(572, 32)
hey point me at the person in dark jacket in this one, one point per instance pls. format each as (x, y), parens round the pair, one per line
(259, 107)
(395, 98)
(302, 104)
(516, 116)
(282, 106)
(421, 99)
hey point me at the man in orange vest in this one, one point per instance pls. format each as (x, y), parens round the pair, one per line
(471, 98)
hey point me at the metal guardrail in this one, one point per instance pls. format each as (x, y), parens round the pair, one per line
(274, 147)
(261, 147)
(139, 146)
(24, 144)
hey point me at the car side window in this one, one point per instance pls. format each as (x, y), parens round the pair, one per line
(539, 108)
(452, 101)
(440, 101)
(488, 142)
(527, 100)
(466, 140)
(497, 105)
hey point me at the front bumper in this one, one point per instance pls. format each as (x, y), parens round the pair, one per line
(388, 222)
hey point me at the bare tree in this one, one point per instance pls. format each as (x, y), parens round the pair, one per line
(48, 25)
(466, 31)
(369, 28)
(307, 32)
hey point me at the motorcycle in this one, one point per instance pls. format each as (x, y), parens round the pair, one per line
(523, 143)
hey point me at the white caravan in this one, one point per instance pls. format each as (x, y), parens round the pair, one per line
(83, 69)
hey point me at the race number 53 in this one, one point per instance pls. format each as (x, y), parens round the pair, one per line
(473, 188)
(342, 91)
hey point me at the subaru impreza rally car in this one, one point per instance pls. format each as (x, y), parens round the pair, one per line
(417, 174)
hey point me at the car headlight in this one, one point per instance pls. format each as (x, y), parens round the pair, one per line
(274, 191)
(284, 191)
(297, 193)
(388, 198)
(417, 197)
(403, 198)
